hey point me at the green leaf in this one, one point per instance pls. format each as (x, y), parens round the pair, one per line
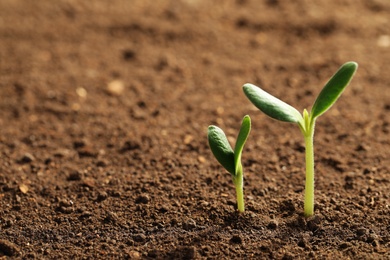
(271, 106)
(241, 139)
(221, 148)
(333, 89)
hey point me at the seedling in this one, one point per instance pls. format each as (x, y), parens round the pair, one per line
(280, 110)
(229, 159)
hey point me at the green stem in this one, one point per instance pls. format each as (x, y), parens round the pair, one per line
(239, 183)
(309, 185)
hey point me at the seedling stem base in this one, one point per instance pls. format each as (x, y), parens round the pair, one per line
(238, 182)
(308, 133)
(309, 186)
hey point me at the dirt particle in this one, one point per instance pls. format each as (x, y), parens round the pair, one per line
(8, 248)
(184, 252)
(349, 182)
(314, 223)
(134, 255)
(288, 207)
(102, 163)
(87, 151)
(189, 224)
(26, 158)
(236, 239)
(102, 196)
(8, 223)
(129, 145)
(361, 232)
(302, 243)
(115, 87)
(60, 153)
(138, 113)
(75, 176)
(81, 92)
(272, 2)
(89, 182)
(372, 237)
(188, 139)
(219, 111)
(65, 203)
(164, 209)
(65, 210)
(345, 245)
(79, 143)
(139, 238)
(111, 217)
(362, 148)
(23, 188)
(288, 256)
(201, 159)
(115, 194)
(273, 224)
(85, 215)
(177, 176)
(128, 55)
(383, 41)
(18, 199)
(142, 199)
(154, 253)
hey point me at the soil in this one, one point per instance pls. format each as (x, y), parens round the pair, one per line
(103, 120)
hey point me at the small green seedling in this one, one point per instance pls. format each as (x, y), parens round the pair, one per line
(279, 110)
(229, 159)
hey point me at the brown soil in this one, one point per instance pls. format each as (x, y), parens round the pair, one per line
(103, 119)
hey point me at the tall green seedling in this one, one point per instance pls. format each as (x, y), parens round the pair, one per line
(280, 110)
(231, 159)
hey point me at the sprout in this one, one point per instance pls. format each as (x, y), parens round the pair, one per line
(279, 110)
(229, 159)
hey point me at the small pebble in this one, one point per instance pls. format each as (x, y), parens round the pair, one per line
(134, 255)
(201, 159)
(115, 87)
(188, 139)
(383, 41)
(81, 92)
(23, 188)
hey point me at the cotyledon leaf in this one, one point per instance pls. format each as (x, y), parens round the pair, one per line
(221, 148)
(333, 89)
(241, 139)
(271, 106)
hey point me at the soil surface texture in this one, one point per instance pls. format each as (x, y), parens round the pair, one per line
(104, 109)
